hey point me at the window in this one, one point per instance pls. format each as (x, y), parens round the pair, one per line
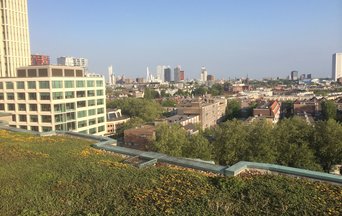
(100, 120)
(34, 128)
(32, 72)
(92, 122)
(82, 123)
(99, 92)
(10, 96)
(57, 72)
(45, 107)
(32, 96)
(22, 118)
(57, 95)
(92, 131)
(33, 107)
(91, 93)
(43, 72)
(70, 106)
(80, 83)
(69, 84)
(69, 73)
(9, 85)
(100, 129)
(69, 95)
(80, 94)
(33, 118)
(21, 96)
(45, 96)
(11, 107)
(99, 83)
(46, 129)
(91, 102)
(1, 85)
(59, 107)
(2, 96)
(70, 116)
(23, 127)
(84, 132)
(14, 118)
(31, 84)
(100, 101)
(59, 118)
(20, 85)
(44, 85)
(100, 110)
(46, 118)
(2, 106)
(81, 104)
(22, 107)
(57, 84)
(21, 73)
(92, 112)
(90, 83)
(81, 114)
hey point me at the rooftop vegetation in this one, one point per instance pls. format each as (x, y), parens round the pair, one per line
(60, 175)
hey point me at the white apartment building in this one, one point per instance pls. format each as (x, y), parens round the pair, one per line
(72, 61)
(337, 66)
(48, 98)
(14, 37)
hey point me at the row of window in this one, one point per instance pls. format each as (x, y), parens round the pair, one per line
(34, 128)
(56, 84)
(46, 95)
(47, 108)
(68, 126)
(94, 130)
(32, 118)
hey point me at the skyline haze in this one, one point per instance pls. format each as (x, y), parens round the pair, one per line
(231, 39)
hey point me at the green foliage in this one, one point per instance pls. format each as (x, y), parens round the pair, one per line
(329, 109)
(148, 110)
(168, 103)
(233, 109)
(151, 93)
(200, 91)
(198, 147)
(216, 89)
(293, 138)
(328, 143)
(170, 139)
(64, 176)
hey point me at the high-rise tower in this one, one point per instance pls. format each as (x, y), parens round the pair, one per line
(14, 37)
(337, 66)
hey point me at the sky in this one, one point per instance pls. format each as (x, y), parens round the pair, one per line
(231, 38)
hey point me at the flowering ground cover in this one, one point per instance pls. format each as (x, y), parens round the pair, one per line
(60, 175)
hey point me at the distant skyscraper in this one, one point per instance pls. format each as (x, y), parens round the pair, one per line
(337, 66)
(167, 74)
(204, 74)
(210, 78)
(14, 37)
(111, 76)
(294, 75)
(177, 73)
(72, 61)
(302, 76)
(160, 73)
(40, 59)
(308, 76)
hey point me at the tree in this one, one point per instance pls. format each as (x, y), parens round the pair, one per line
(261, 142)
(328, 143)
(293, 140)
(329, 109)
(198, 147)
(150, 93)
(170, 139)
(148, 110)
(216, 89)
(233, 109)
(230, 142)
(199, 91)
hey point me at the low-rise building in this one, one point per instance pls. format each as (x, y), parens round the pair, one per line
(268, 110)
(139, 138)
(210, 110)
(310, 106)
(114, 119)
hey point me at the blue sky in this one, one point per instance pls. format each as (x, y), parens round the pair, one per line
(261, 38)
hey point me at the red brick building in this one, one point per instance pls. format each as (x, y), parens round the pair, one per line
(181, 75)
(40, 60)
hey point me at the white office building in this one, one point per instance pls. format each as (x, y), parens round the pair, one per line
(337, 66)
(204, 74)
(73, 62)
(48, 98)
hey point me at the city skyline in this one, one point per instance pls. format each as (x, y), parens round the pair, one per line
(258, 39)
